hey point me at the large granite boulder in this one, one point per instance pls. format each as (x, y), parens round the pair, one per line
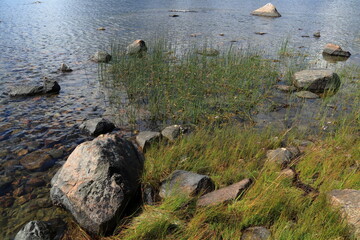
(256, 233)
(335, 50)
(225, 194)
(348, 200)
(317, 80)
(97, 126)
(268, 10)
(186, 182)
(101, 57)
(138, 47)
(97, 182)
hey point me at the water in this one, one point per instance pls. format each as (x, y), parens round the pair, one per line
(35, 38)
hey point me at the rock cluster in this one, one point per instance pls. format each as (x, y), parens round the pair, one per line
(101, 57)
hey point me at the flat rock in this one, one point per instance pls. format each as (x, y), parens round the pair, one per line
(39, 160)
(138, 47)
(282, 156)
(225, 194)
(24, 90)
(171, 132)
(256, 233)
(316, 80)
(348, 200)
(335, 50)
(101, 57)
(306, 95)
(146, 138)
(268, 10)
(189, 183)
(97, 182)
(97, 126)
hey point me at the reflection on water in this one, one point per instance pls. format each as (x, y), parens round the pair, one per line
(36, 38)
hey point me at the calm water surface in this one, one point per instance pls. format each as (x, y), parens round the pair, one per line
(35, 38)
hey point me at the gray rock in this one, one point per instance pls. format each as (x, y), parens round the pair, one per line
(56, 153)
(64, 68)
(34, 230)
(171, 132)
(306, 95)
(146, 138)
(268, 10)
(97, 182)
(210, 52)
(288, 173)
(335, 50)
(51, 86)
(225, 194)
(188, 183)
(97, 126)
(256, 233)
(317, 80)
(317, 34)
(348, 200)
(138, 47)
(282, 156)
(24, 90)
(101, 57)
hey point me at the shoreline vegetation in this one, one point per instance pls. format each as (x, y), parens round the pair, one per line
(218, 95)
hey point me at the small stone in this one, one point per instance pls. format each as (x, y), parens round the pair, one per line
(307, 95)
(225, 194)
(285, 88)
(97, 126)
(38, 160)
(221, 34)
(335, 50)
(101, 57)
(317, 34)
(188, 183)
(171, 132)
(23, 90)
(256, 233)
(56, 153)
(101, 29)
(317, 80)
(138, 48)
(34, 230)
(64, 68)
(260, 33)
(146, 138)
(269, 10)
(280, 156)
(174, 15)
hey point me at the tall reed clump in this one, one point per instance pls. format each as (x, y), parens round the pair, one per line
(186, 86)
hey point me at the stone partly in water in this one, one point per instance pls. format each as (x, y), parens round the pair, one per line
(64, 68)
(138, 47)
(101, 57)
(97, 126)
(348, 200)
(49, 86)
(317, 80)
(307, 95)
(171, 132)
(97, 182)
(256, 233)
(269, 10)
(41, 230)
(225, 194)
(146, 138)
(186, 182)
(39, 160)
(335, 50)
(317, 34)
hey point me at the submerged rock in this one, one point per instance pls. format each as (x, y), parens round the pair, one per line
(317, 80)
(34, 230)
(51, 86)
(146, 138)
(348, 200)
(39, 160)
(306, 94)
(101, 57)
(97, 182)
(138, 47)
(256, 233)
(225, 194)
(335, 50)
(268, 10)
(188, 183)
(97, 126)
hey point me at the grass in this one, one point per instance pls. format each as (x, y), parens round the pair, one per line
(196, 89)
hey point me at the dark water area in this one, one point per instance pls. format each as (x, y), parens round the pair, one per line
(35, 38)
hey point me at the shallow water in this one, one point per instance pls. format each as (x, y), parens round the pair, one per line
(35, 38)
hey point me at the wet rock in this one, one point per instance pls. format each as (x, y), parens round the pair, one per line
(38, 160)
(97, 126)
(34, 230)
(173, 15)
(348, 200)
(188, 183)
(269, 10)
(5, 184)
(101, 29)
(65, 68)
(24, 90)
(138, 47)
(101, 57)
(6, 201)
(285, 88)
(51, 86)
(146, 138)
(306, 95)
(282, 156)
(335, 50)
(97, 181)
(256, 233)
(225, 194)
(171, 132)
(317, 80)
(317, 34)
(210, 52)
(56, 153)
